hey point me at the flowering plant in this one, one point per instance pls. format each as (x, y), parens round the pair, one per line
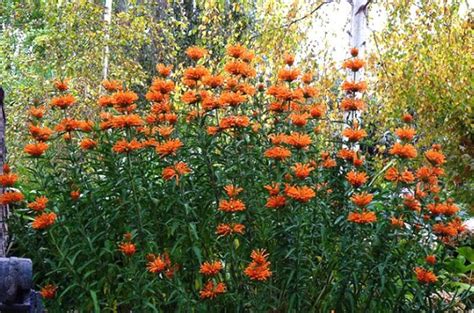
(221, 193)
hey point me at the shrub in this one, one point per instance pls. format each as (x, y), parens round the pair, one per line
(221, 194)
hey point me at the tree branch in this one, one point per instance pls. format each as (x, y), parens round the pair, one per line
(309, 14)
(363, 8)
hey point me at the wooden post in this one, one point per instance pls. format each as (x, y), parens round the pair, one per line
(16, 274)
(3, 152)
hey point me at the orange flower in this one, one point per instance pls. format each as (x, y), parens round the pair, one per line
(36, 149)
(430, 259)
(156, 265)
(48, 291)
(195, 73)
(259, 268)
(362, 218)
(362, 199)
(165, 131)
(317, 110)
(112, 85)
(124, 98)
(411, 203)
(232, 99)
(39, 204)
(435, 157)
(232, 205)
(40, 133)
(61, 85)
(354, 52)
(299, 119)
(75, 194)
(236, 51)
(288, 75)
(168, 147)
(239, 68)
(9, 197)
(129, 120)
(299, 140)
(397, 222)
(302, 170)
(174, 172)
(350, 86)
(164, 70)
(404, 151)
(8, 179)
(195, 53)
(300, 193)
(228, 229)
(213, 81)
(354, 135)
(37, 112)
(451, 229)
(354, 64)
(356, 179)
(87, 144)
(406, 133)
(127, 248)
(275, 202)
(123, 146)
(210, 269)
(350, 104)
(273, 190)
(407, 118)
(234, 121)
(393, 175)
(425, 276)
(211, 290)
(63, 102)
(232, 191)
(307, 78)
(289, 59)
(190, 97)
(44, 221)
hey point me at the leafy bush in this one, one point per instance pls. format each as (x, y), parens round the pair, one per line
(224, 194)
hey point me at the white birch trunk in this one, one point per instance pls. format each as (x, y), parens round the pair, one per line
(108, 20)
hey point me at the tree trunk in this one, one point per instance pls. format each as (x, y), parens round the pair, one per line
(108, 20)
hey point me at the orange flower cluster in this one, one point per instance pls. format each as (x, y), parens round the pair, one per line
(44, 220)
(406, 151)
(175, 171)
(259, 268)
(123, 146)
(7, 179)
(362, 199)
(9, 197)
(127, 247)
(395, 176)
(212, 290)
(48, 291)
(233, 204)
(229, 229)
(354, 134)
(362, 217)
(39, 204)
(161, 263)
(447, 208)
(300, 193)
(354, 64)
(356, 179)
(425, 276)
(210, 268)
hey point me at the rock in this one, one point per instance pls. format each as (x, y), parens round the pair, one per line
(16, 276)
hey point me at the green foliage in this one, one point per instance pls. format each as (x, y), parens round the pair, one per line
(426, 68)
